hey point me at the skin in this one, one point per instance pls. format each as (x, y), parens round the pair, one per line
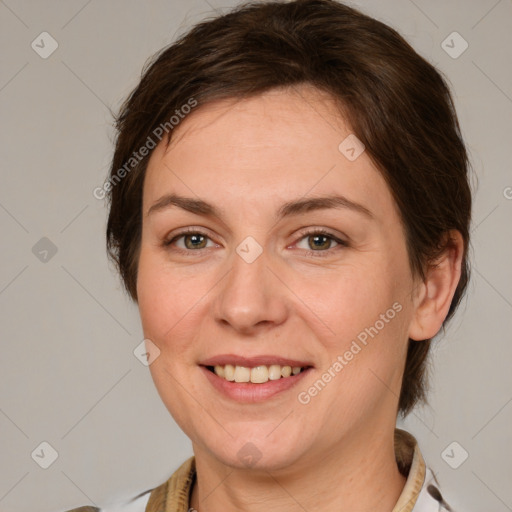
(248, 157)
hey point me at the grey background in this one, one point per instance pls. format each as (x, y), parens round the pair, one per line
(68, 375)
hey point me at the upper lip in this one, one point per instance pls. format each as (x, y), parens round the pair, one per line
(251, 362)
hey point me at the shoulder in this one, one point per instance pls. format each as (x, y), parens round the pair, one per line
(430, 497)
(134, 504)
(421, 492)
(170, 493)
(84, 509)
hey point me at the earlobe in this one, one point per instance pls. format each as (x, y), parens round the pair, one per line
(433, 301)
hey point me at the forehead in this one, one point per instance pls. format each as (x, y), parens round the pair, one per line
(282, 144)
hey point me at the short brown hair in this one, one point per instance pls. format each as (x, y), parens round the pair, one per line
(396, 103)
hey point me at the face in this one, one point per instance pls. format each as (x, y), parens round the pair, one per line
(255, 269)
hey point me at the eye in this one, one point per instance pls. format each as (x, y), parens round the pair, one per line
(317, 241)
(189, 240)
(320, 241)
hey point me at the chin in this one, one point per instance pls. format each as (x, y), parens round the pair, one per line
(252, 457)
(257, 450)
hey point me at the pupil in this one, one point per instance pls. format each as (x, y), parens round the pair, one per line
(194, 239)
(316, 239)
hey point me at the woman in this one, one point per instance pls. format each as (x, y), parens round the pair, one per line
(290, 209)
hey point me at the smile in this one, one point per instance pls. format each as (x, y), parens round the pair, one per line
(256, 375)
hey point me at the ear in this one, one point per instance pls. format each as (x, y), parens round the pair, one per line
(435, 293)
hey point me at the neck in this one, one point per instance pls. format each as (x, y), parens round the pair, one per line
(359, 475)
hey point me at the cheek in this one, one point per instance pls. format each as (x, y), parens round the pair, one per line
(173, 306)
(364, 363)
(354, 299)
(153, 300)
(163, 300)
(368, 312)
(168, 309)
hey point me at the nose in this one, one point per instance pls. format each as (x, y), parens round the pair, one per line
(250, 298)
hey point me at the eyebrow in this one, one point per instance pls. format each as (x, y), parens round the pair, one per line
(297, 207)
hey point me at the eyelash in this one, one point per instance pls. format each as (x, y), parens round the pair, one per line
(303, 234)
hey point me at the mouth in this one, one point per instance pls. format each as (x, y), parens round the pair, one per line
(253, 379)
(256, 375)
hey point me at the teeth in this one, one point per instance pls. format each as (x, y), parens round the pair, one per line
(256, 375)
(242, 374)
(274, 372)
(259, 374)
(229, 372)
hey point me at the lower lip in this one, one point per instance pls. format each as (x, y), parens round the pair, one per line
(249, 392)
